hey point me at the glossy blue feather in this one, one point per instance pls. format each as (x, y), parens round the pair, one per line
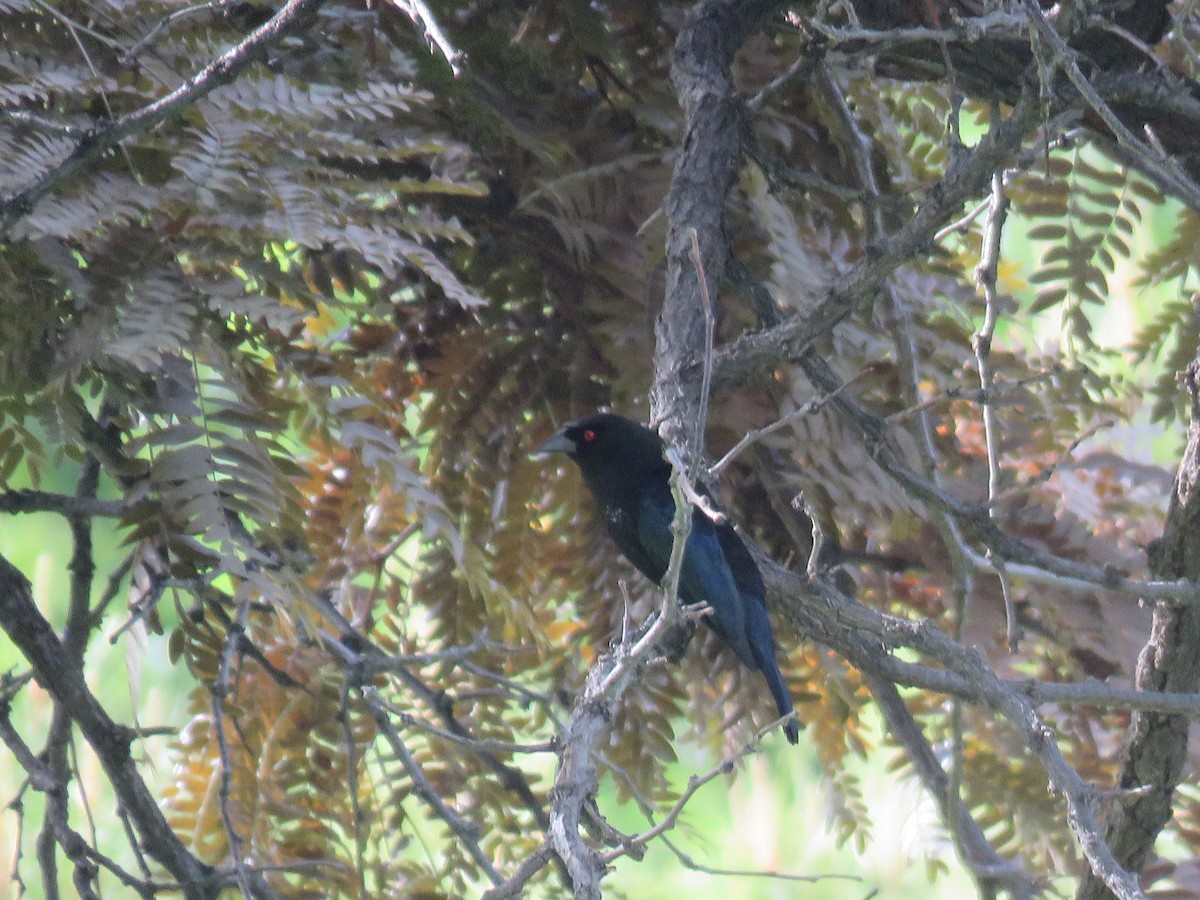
(705, 576)
(623, 466)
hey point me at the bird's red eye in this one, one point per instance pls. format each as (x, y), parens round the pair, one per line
(589, 435)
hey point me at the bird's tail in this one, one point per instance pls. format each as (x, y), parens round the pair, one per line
(762, 648)
(783, 699)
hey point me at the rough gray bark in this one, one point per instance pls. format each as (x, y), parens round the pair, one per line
(1157, 744)
(695, 204)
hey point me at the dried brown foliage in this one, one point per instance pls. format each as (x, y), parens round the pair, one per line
(304, 332)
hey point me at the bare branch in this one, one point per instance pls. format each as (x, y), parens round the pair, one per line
(969, 30)
(694, 783)
(57, 750)
(31, 501)
(816, 404)
(976, 851)
(220, 689)
(467, 832)
(55, 671)
(532, 864)
(422, 15)
(969, 174)
(985, 276)
(1153, 761)
(362, 657)
(165, 22)
(1103, 696)
(485, 745)
(843, 624)
(366, 658)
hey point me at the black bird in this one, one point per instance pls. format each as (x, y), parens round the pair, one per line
(623, 465)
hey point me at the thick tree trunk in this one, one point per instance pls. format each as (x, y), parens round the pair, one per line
(1170, 661)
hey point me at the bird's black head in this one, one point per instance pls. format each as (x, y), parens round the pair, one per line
(609, 443)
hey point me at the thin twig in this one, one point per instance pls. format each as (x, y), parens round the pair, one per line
(1048, 472)
(974, 395)
(806, 61)
(421, 15)
(352, 779)
(969, 30)
(671, 818)
(691, 496)
(488, 745)
(814, 405)
(529, 867)
(986, 274)
(963, 225)
(128, 56)
(467, 832)
(220, 689)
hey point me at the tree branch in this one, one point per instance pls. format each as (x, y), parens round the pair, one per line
(975, 850)
(62, 678)
(697, 198)
(704, 174)
(31, 501)
(76, 634)
(363, 657)
(1022, 559)
(99, 140)
(967, 177)
(865, 638)
(467, 832)
(1156, 751)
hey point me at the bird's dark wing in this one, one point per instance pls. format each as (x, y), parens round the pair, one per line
(622, 464)
(705, 576)
(741, 563)
(719, 571)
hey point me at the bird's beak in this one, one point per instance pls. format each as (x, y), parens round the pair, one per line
(559, 443)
